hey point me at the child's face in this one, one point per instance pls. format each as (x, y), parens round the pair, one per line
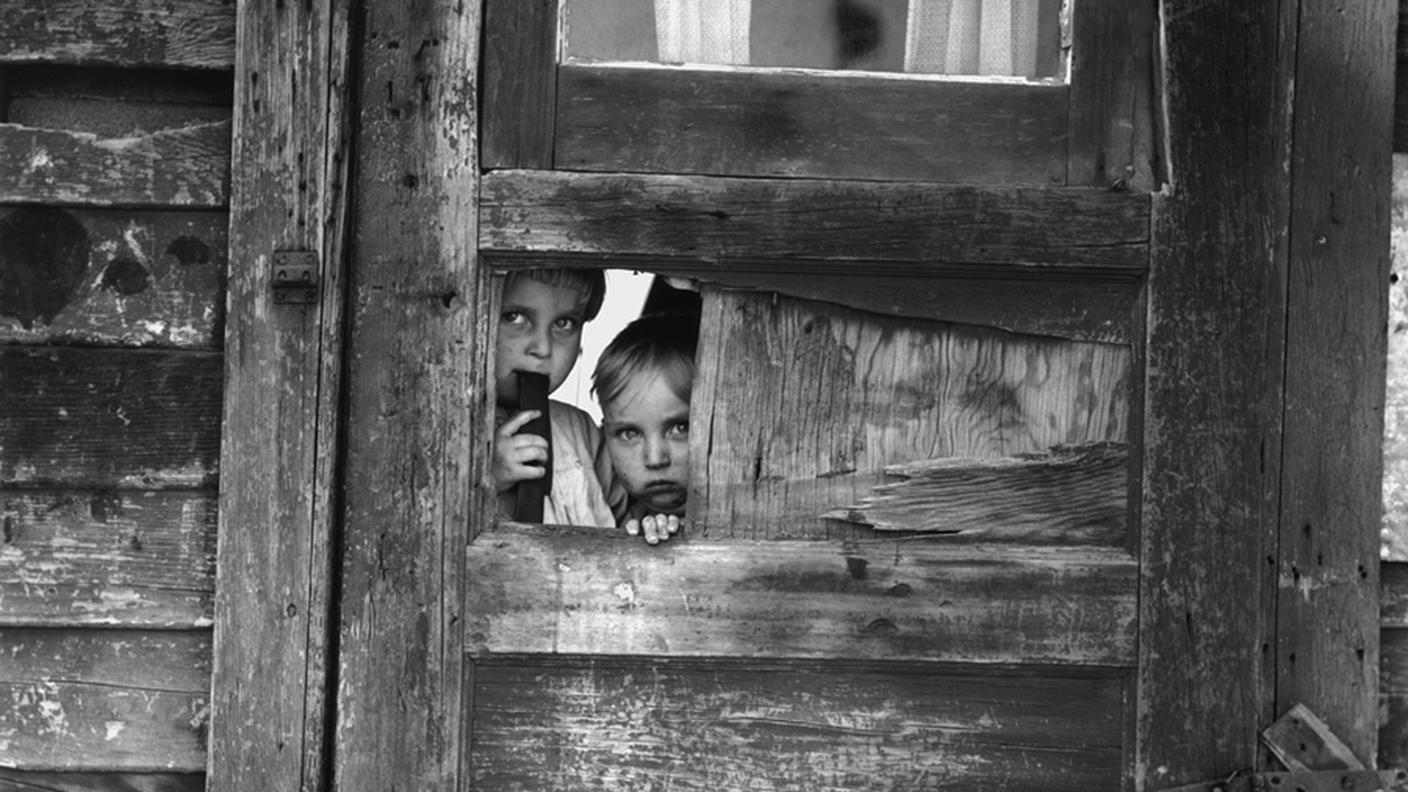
(647, 435)
(540, 330)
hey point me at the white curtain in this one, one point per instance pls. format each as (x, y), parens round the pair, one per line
(990, 37)
(703, 31)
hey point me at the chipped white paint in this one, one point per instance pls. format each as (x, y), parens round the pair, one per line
(113, 728)
(39, 159)
(626, 593)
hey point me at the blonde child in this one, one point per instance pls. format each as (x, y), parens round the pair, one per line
(642, 381)
(540, 330)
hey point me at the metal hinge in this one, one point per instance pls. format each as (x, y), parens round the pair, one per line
(295, 277)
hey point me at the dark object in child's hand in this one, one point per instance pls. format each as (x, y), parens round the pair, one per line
(533, 395)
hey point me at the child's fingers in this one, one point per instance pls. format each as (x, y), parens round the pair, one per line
(633, 527)
(512, 425)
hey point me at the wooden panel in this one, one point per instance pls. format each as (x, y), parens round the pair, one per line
(847, 394)
(188, 166)
(1400, 101)
(291, 151)
(1212, 407)
(769, 123)
(520, 83)
(1331, 480)
(108, 557)
(540, 591)
(1112, 107)
(30, 781)
(104, 699)
(109, 417)
(810, 226)
(416, 401)
(825, 729)
(1393, 697)
(109, 276)
(1071, 495)
(184, 33)
(114, 103)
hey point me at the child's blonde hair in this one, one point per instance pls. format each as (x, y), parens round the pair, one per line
(590, 283)
(657, 343)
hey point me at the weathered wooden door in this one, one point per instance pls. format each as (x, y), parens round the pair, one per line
(1071, 321)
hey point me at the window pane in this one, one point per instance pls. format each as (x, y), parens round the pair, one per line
(957, 37)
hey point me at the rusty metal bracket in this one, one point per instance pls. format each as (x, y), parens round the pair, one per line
(295, 277)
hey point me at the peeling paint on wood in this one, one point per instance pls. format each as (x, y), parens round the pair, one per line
(180, 33)
(188, 167)
(1070, 495)
(112, 277)
(533, 590)
(99, 557)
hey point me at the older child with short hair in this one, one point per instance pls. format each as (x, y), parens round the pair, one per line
(541, 315)
(643, 381)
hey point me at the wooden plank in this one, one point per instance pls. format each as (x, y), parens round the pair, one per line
(1393, 594)
(1112, 103)
(1400, 100)
(797, 123)
(1393, 698)
(29, 781)
(416, 401)
(847, 394)
(1086, 309)
(89, 557)
(112, 277)
(541, 591)
(804, 226)
(1331, 479)
(104, 700)
(290, 156)
(196, 34)
(109, 417)
(644, 725)
(1301, 741)
(1070, 495)
(114, 103)
(520, 83)
(1395, 488)
(188, 166)
(1211, 433)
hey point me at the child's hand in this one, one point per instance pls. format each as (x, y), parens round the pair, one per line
(656, 527)
(518, 457)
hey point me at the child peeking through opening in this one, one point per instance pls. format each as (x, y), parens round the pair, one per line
(643, 380)
(540, 330)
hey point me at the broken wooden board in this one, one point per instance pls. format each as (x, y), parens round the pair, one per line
(175, 33)
(1303, 742)
(1306, 781)
(544, 590)
(1070, 495)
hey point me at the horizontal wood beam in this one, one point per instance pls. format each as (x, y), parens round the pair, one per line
(104, 700)
(188, 34)
(107, 557)
(94, 417)
(40, 781)
(186, 167)
(536, 590)
(808, 226)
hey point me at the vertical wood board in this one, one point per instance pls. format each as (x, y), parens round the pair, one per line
(801, 405)
(520, 83)
(1112, 103)
(123, 557)
(112, 277)
(1337, 302)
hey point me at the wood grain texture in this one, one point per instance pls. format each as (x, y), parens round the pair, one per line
(801, 406)
(415, 400)
(1393, 697)
(769, 123)
(1331, 478)
(34, 781)
(540, 591)
(1400, 100)
(651, 725)
(520, 83)
(177, 33)
(112, 277)
(109, 417)
(1301, 741)
(290, 155)
(1112, 102)
(805, 226)
(1211, 429)
(104, 699)
(107, 557)
(1070, 495)
(188, 167)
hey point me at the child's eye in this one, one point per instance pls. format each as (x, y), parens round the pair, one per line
(566, 324)
(678, 430)
(512, 318)
(628, 434)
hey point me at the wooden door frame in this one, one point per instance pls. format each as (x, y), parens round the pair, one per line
(1255, 273)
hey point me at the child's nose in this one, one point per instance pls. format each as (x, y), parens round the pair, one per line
(540, 343)
(657, 454)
